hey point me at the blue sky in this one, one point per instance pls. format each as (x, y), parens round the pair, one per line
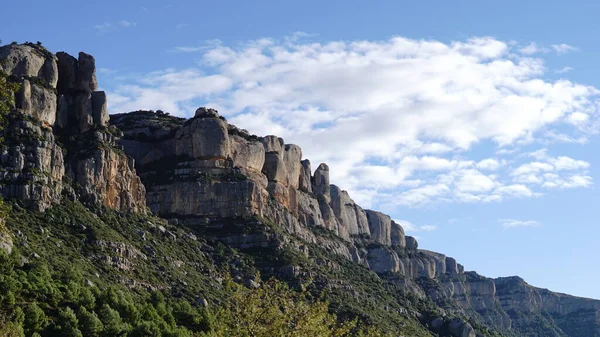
(472, 122)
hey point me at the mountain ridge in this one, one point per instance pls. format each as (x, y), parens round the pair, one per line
(196, 173)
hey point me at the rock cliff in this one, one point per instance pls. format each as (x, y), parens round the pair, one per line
(58, 133)
(59, 142)
(204, 168)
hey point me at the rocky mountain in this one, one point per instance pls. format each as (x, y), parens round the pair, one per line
(210, 180)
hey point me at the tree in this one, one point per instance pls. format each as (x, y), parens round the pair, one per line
(67, 323)
(276, 310)
(89, 323)
(7, 91)
(35, 319)
(113, 324)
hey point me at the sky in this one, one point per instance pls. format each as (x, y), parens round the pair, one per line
(474, 124)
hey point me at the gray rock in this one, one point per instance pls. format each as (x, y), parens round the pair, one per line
(304, 183)
(67, 69)
(397, 235)
(83, 112)
(30, 61)
(411, 243)
(275, 169)
(437, 325)
(6, 243)
(86, 73)
(291, 158)
(273, 144)
(460, 328)
(204, 139)
(343, 208)
(99, 108)
(321, 182)
(204, 112)
(37, 101)
(246, 154)
(380, 226)
(383, 259)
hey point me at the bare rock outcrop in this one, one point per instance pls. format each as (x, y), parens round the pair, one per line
(349, 214)
(6, 243)
(59, 94)
(320, 182)
(31, 164)
(304, 183)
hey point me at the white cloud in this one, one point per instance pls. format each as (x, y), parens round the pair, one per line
(488, 164)
(577, 118)
(533, 48)
(428, 228)
(112, 26)
(563, 48)
(512, 223)
(410, 227)
(396, 120)
(553, 172)
(563, 70)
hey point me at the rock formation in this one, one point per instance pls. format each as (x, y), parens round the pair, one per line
(66, 137)
(58, 142)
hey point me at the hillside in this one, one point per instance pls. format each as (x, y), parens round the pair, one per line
(164, 211)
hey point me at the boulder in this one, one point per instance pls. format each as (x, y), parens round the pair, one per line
(411, 243)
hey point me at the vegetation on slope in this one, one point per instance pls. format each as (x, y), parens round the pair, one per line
(74, 272)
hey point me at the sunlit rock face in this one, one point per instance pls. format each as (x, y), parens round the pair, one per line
(58, 130)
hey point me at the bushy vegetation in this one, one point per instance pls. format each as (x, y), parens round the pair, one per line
(7, 91)
(61, 281)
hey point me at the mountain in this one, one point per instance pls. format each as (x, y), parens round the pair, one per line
(145, 202)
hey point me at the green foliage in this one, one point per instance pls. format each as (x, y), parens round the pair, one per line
(89, 323)
(7, 92)
(276, 310)
(67, 323)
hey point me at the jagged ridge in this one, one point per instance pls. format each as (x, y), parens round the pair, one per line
(201, 170)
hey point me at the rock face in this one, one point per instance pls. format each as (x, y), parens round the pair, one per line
(200, 170)
(193, 177)
(59, 93)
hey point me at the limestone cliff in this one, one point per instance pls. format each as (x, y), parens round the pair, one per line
(58, 133)
(59, 142)
(203, 168)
